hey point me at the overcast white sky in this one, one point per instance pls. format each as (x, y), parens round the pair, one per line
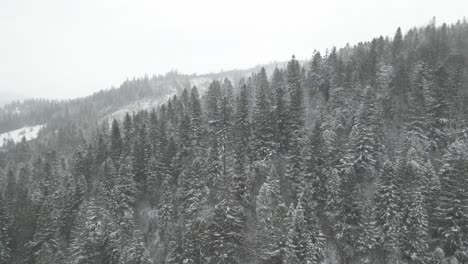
(69, 48)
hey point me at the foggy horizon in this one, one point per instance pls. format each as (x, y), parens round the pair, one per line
(65, 50)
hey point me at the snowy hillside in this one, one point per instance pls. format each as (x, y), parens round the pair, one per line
(201, 83)
(30, 133)
(136, 106)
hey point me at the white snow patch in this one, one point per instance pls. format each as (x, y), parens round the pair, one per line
(29, 133)
(202, 83)
(136, 106)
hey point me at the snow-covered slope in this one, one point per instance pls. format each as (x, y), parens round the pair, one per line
(201, 83)
(136, 106)
(16, 135)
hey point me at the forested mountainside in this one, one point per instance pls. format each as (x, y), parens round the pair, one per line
(90, 109)
(359, 155)
(78, 119)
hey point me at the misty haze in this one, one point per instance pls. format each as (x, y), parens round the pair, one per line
(234, 132)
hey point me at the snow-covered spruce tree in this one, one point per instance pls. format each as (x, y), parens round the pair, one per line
(399, 86)
(225, 232)
(45, 246)
(368, 234)
(388, 211)
(194, 244)
(213, 103)
(271, 215)
(153, 131)
(348, 218)
(397, 44)
(454, 93)
(123, 199)
(141, 157)
(166, 210)
(214, 170)
(159, 166)
(195, 118)
(185, 144)
(184, 101)
(314, 74)
(241, 147)
(313, 226)
(81, 165)
(294, 171)
(226, 225)
(107, 175)
(316, 161)
(88, 245)
(225, 136)
(420, 99)
(451, 214)
(23, 206)
(300, 246)
(68, 198)
(330, 73)
(217, 133)
(127, 132)
(438, 110)
(296, 239)
(10, 188)
(228, 103)
(10, 202)
(355, 220)
(371, 64)
(227, 90)
(101, 149)
(366, 138)
(295, 90)
(193, 192)
(116, 143)
(263, 141)
(5, 239)
(278, 87)
(414, 242)
(334, 200)
(154, 181)
(134, 251)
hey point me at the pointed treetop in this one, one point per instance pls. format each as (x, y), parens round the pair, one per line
(398, 35)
